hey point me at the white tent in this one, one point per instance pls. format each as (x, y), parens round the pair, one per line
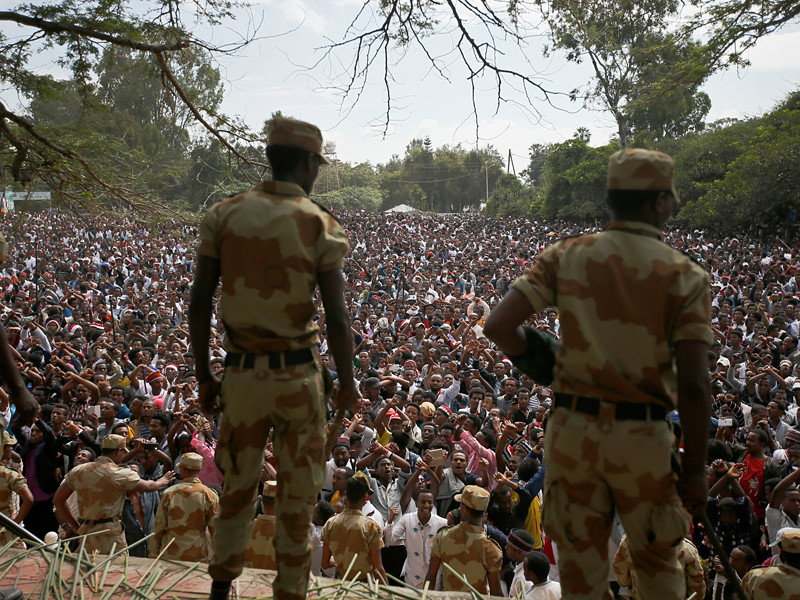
(400, 208)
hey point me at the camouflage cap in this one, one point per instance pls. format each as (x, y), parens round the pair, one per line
(192, 461)
(474, 497)
(638, 169)
(112, 441)
(299, 134)
(427, 409)
(789, 540)
(270, 489)
(8, 439)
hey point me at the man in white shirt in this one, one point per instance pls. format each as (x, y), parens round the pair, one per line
(418, 528)
(537, 571)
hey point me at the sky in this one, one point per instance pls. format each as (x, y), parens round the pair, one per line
(286, 68)
(276, 73)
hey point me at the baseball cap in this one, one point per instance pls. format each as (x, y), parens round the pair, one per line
(474, 497)
(427, 409)
(789, 540)
(297, 134)
(192, 461)
(639, 169)
(112, 441)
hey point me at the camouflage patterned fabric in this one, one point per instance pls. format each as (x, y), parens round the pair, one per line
(185, 512)
(687, 557)
(625, 299)
(350, 534)
(772, 583)
(10, 482)
(470, 552)
(260, 553)
(101, 487)
(271, 243)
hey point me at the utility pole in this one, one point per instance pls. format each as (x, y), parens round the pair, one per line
(487, 181)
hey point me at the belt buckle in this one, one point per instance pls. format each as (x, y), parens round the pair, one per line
(606, 415)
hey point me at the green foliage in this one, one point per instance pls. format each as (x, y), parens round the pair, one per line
(573, 180)
(445, 179)
(510, 198)
(635, 58)
(745, 171)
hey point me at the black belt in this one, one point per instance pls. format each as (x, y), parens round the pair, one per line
(91, 522)
(623, 411)
(277, 360)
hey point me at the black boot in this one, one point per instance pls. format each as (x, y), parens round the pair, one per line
(219, 590)
(12, 594)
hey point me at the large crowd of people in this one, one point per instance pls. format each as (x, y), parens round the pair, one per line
(96, 312)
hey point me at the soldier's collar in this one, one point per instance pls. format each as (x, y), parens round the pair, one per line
(635, 227)
(280, 188)
(471, 527)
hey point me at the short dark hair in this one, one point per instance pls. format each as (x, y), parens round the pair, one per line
(326, 511)
(629, 202)
(285, 159)
(356, 489)
(162, 417)
(538, 564)
(749, 554)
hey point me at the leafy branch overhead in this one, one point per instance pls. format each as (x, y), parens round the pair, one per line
(115, 133)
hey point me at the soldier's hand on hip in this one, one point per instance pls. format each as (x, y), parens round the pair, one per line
(693, 490)
(27, 407)
(207, 396)
(347, 394)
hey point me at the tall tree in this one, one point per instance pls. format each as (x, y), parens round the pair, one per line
(633, 55)
(99, 40)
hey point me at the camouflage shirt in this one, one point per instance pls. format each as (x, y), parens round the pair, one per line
(101, 487)
(625, 298)
(260, 552)
(185, 512)
(688, 558)
(271, 242)
(772, 583)
(10, 481)
(350, 534)
(469, 552)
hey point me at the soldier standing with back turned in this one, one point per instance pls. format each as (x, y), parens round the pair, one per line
(272, 246)
(635, 334)
(184, 514)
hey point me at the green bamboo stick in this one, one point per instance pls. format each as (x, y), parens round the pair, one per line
(178, 580)
(113, 556)
(76, 575)
(48, 581)
(105, 571)
(475, 593)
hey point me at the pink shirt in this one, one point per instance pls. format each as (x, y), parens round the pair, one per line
(475, 452)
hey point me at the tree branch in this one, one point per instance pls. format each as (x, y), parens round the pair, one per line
(56, 27)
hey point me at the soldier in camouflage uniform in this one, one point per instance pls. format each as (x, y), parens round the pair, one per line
(11, 482)
(781, 582)
(272, 246)
(260, 553)
(184, 514)
(467, 549)
(353, 540)
(101, 487)
(635, 333)
(688, 558)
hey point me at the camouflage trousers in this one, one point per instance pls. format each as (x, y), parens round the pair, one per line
(102, 543)
(291, 401)
(597, 465)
